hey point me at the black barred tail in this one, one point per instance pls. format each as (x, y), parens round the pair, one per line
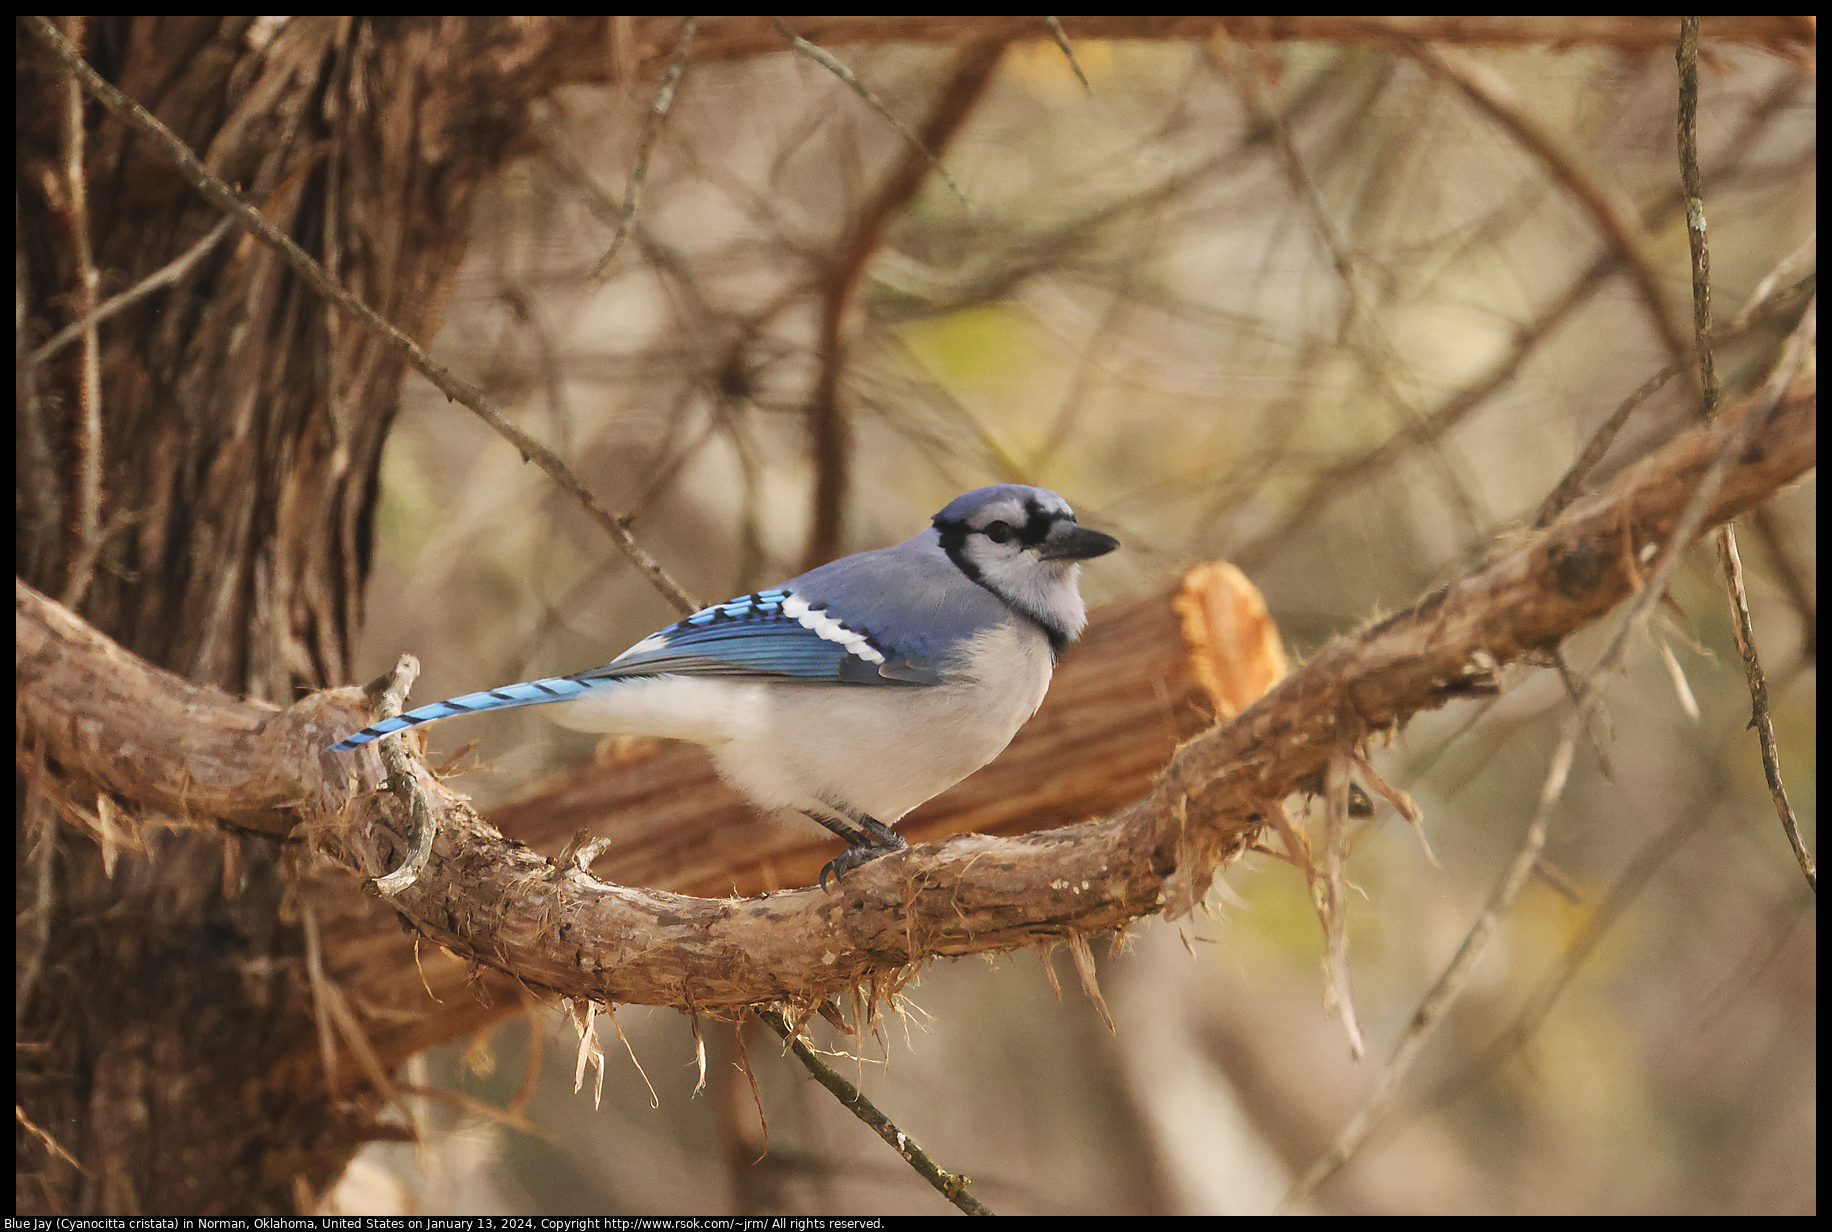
(528, 693)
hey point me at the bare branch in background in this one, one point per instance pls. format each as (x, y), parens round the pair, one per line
(645, 145)
(86, 531)
(1337, 480)
(831, 445)
(167, 274)
(1615, 220)
(731, 38)
(950, 1185)
(1691, 186)
(1760, 717)
(454, 387)
(921, 146)
(1068, 52)
(1732, 565)
(1723, 456)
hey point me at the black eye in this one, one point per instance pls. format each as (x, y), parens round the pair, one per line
(999, 532)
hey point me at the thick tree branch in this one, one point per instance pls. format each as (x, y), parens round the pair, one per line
(501, 904)
(106, 715)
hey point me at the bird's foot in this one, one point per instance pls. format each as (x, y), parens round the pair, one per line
(858, 854)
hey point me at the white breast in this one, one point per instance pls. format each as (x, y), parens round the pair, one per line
(883, 750)
(880, 750)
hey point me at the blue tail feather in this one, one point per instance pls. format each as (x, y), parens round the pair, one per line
(504, 697)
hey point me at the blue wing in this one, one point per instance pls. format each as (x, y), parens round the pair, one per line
(771, 634)
(768, 635)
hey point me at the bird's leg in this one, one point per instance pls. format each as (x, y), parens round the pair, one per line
(859, 847)
(832, 822)
(880, 833)
(872, 839)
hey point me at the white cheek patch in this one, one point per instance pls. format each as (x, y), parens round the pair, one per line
(828, 629)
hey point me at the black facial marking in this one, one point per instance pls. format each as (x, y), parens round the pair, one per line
(1037, 524)
(953, 540)
(1031, 533)
(1036, 528)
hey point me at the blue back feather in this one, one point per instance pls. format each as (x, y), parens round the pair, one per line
(905, 600)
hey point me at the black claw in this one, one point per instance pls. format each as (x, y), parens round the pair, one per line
(872, 839)
(854, 857)
(850, 859)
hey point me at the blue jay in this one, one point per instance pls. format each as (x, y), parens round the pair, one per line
(855, 692)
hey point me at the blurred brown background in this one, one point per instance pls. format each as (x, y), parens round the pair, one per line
(1190, 298)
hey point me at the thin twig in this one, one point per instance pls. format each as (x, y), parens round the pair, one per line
(1251, 78)
(87, 515)
(1338, 480)
(164, 276)
(1450, 983)
(1569, 679)
(332, 1008)
(1571, 484)
(1752, 965)
(42, 847)
(827, 61)
(651, 131)
(1094, 355)
(50, 1144)
(1455, 976)
(1760, 718)
(321, 1006)
(1339, 991)
(1789, 578)
(1569, 487)
(1597, 923)
(452, 386)
(1771, 281)
(1729, 560)
(1370, 346)
(1062, 41)
(508, 1118)
(1687, 56)
(949, 1185)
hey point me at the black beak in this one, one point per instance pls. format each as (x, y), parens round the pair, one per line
(1067, 541)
